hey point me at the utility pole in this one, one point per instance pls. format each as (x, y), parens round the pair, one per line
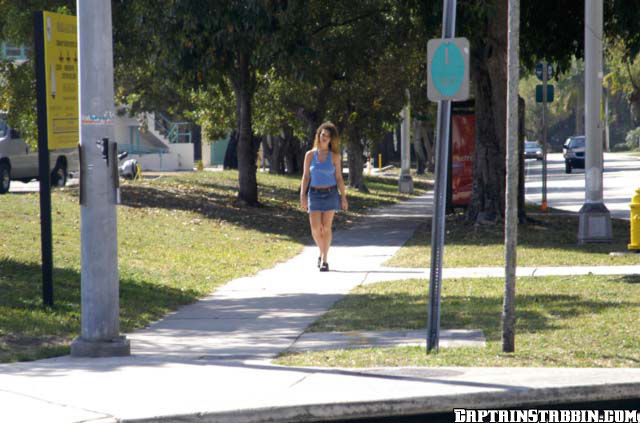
(511, 202)
(595, 219)
(405, 183)
(100, 324)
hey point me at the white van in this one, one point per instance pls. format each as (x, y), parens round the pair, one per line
(17, 163)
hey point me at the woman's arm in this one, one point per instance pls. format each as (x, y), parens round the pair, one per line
(337, 162)
(305, 180)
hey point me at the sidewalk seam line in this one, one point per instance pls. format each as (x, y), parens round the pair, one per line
(100, 413)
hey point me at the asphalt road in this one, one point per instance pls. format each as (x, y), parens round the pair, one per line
(621, 178)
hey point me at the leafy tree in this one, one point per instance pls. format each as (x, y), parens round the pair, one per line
(282, 129)
(624, 77)
(352, 71)
(198, 43)
(17, 96)
(17, 81)
(306, 68)
(369, 103)
(213, 109)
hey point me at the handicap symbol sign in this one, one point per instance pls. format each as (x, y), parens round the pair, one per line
(448, 69)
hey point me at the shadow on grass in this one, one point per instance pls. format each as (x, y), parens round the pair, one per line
(217, 199)
(551, 231)
(270, 218)
(29, 331)
(535, 313)
(630, 278)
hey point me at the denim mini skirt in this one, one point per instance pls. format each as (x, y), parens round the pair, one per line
(323, 199)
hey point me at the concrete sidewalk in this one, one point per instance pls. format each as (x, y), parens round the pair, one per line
(211, 361)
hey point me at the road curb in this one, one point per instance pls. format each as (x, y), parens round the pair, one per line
(411, 406)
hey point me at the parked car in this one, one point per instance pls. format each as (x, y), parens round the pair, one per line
(532, 150)
(573, 153)
(18, 163)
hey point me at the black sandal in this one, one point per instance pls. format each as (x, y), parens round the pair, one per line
(324, 267)
(319, 261)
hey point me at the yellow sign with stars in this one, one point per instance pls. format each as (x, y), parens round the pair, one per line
(61, 69)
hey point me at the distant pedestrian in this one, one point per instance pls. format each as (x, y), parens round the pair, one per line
(322, 190)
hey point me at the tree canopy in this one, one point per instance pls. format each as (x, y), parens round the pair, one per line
(267, 66)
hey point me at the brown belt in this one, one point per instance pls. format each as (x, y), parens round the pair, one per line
(325, 189)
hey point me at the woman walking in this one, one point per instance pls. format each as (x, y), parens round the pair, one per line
(322, 190)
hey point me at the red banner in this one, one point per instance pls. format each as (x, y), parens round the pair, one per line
(463, 131)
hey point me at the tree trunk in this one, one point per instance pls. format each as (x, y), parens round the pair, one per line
(419, 146)
(196, 130)
(430, 145)
(489, 77)
(356, 162)
(293, 154)
(272, 146)
(634, 107)
(243, 88)
(231, 154)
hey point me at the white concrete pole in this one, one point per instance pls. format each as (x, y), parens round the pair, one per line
(595, 220)
(593, 97)
(405, 183)
(511, 201)
(100, 324)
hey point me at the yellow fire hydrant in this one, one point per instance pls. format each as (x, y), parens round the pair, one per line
(635, 222)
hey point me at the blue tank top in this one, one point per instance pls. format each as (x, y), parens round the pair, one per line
(323, 174)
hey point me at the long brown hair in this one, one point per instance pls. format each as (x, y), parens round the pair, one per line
(334, 144)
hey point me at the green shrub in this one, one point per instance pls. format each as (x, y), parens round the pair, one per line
(632, 139)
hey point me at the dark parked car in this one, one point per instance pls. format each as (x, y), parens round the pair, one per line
(573, 152)
(532, 150)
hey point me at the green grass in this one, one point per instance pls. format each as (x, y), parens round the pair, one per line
(179, 238)
(549, 240)
(568, 321)
(395, 172)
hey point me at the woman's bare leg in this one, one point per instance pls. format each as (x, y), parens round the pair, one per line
(327, 221)
(315, 221)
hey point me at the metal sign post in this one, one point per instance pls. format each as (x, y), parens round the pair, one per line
(446, 83)
(43, 163)
(544, 95)
(56, 63)
(437, 224)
